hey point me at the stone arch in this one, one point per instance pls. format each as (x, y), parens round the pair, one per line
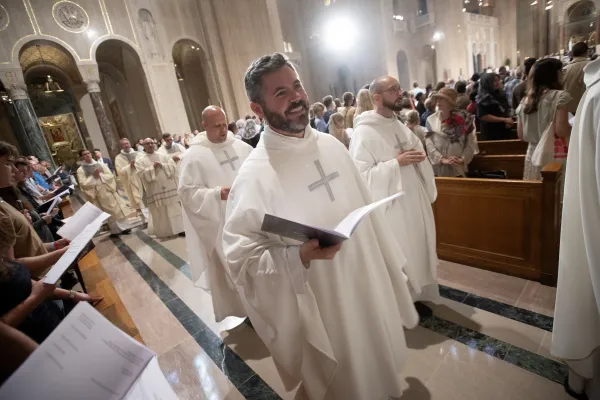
(403, 69)
(192, 70)
(131, 110)
(26, 41)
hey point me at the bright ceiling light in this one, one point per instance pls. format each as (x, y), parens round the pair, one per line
(549, 6)
(340, 27)
(399, 17)
(437, 36)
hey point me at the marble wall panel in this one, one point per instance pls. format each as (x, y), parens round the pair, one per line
(79, 40)
(120, 18)
(14, 25)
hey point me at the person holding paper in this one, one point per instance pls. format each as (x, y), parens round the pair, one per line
(171, 149)
(391, 158)
(28, 305)
(158, 174)
(331, 317)
(100, 188)
(125, 164)
(208, 169)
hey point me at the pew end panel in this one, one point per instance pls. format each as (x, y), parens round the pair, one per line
(502, 147)
(506, 226)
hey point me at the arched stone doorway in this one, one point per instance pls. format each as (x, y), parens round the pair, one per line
(125, 92)
(428, 66)
(403, 72)
(190, 68)
(54, 86)
(580, 23)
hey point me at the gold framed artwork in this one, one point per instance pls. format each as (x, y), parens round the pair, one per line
(63, 137)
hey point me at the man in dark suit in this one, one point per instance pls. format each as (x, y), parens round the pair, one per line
(103, 160)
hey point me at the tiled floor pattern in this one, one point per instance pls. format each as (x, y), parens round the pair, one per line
(489, 338)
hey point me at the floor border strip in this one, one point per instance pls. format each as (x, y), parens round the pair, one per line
(529, 361)
(240, 374)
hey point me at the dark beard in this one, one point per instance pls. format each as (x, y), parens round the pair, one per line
(394, 106)
(280, 123)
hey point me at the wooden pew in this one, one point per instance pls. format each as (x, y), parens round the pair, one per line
(98, 283)
(502, 147)
(513, 164)
(506, 226)
(513, 135)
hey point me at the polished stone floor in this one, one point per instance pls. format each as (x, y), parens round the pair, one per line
(489, 337)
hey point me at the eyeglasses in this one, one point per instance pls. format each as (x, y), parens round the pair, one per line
(393, 89)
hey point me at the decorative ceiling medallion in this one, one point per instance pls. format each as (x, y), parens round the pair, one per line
(70, 16)
(4, 18)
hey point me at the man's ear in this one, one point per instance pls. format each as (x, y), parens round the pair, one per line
(257, 109)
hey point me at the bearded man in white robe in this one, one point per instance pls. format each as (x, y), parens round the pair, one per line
(391, 159)
(99, 187)
(158, 174)
(125, 166)
(576, 332)
(171, 149)
(208, 169)
(331, 317)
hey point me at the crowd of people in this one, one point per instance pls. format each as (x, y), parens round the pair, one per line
(215, 187)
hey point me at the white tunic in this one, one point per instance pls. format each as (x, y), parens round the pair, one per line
(129, 179)
(375, 144)
(337, 327)
(206, 168)
(160, 186)
(102, 192)
(176, 149)
(576, 332)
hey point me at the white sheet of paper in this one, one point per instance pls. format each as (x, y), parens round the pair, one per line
(72, 187)
(76, 246)
(54, 201)
(86, 357)
(151, 384)
(349, 224)
(82, 218)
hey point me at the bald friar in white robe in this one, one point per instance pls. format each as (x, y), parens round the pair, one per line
(376, 142)
(206, 168)
(576, 332)
(337, 326)
(160, 188)
(102, 192)
(125, 166)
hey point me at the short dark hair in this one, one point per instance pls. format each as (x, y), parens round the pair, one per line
(231, 126)
(166, 135)
(461, 87)
(415, 84)
(80, 152)
(327, 101)
(338, 102)
(529, 64)
(475, 77)
(258, 69)
(473, 95)
(22, 162)
(418, 96)
(8, 150)
(98, 150)
(580, 49)
(348, 99)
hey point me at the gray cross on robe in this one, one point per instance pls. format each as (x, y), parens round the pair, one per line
(229, 160)
(324, 181)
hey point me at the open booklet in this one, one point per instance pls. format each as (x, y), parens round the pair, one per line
(326, 237)
(50, 204)
(80, 229)
(87, 357)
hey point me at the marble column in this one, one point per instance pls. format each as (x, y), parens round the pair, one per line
(106, 125)
(34, 142)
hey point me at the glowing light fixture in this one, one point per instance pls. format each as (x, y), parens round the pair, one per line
(337, 27)
(535, 2)
(437, 36)
(398, 17)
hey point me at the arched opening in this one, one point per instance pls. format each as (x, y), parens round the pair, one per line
(428, 65)
(581, 23)
(125, 91)
(190, 69)
(403, 72)
(54, 86)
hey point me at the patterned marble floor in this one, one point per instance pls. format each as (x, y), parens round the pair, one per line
(489, 337)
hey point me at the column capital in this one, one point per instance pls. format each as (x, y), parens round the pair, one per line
(93, 85)
(14, 82)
